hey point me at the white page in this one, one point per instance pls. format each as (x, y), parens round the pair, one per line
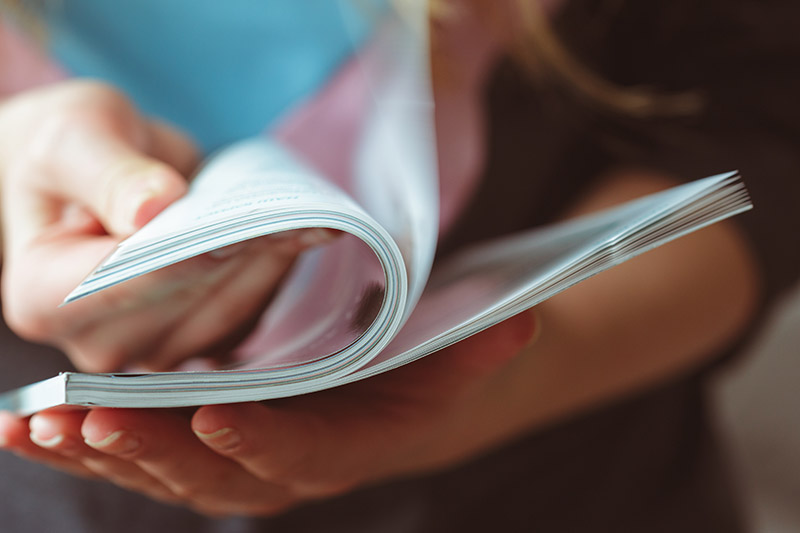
(396, 174)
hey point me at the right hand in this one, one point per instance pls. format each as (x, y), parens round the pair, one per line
(80, 170)
(432, 414)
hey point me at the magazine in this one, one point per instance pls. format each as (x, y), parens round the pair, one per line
(373, 299)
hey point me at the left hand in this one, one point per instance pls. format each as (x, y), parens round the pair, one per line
(81, 169)
(263, 458)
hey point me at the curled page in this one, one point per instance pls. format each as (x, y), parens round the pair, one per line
(255, 189)
(395, 172)
(343, 303)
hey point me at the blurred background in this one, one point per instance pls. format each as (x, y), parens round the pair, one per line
(758, 400)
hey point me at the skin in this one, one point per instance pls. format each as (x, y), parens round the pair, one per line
(639, 324)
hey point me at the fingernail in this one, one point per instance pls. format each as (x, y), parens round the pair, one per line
(138, 198)
(138, 212)
(317, 236)
(47, 443)
(44, 433)
(118, 442)
(223, 439)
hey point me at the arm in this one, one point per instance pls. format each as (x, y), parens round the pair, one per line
(651, 319)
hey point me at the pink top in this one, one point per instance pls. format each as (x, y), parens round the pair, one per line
(22, 65)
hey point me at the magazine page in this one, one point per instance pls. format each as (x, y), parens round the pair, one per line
(393, 177)
(396, 174)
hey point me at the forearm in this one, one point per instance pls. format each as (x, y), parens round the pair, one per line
(638, 324)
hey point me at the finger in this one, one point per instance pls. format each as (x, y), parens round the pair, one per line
(162, 444)
(33, 289)
(461, 366)
(315, 451)
(123, 187)
(14, 437)
(172, 146)
(59, 432)
(457, 370)
(94, 156)
(325, 443)
(291, 448)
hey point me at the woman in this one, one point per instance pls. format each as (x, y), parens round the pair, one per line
(598, 425)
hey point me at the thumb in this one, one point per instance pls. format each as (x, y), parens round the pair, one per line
(461, 366)
(97, 167)
(496, 345)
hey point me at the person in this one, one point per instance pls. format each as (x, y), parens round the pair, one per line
(588, 415)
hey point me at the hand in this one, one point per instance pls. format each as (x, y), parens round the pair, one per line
(80, 170)
(259, 459)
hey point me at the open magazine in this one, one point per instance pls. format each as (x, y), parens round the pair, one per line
(373, 299)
